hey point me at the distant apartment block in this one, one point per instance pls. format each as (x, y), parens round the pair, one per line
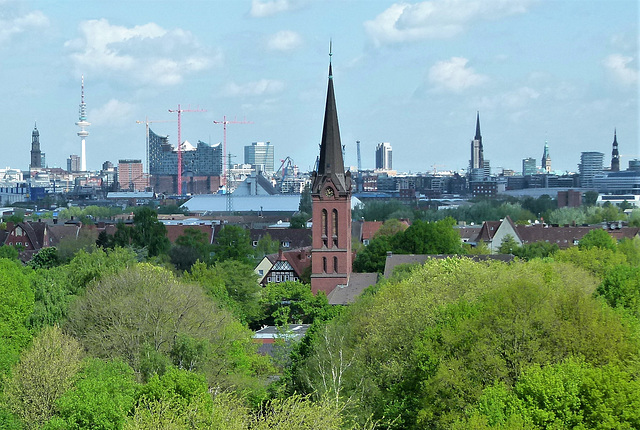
(131, 175)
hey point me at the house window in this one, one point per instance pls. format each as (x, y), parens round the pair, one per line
(260, 272)
(324, 264)
(335, 264)
(254, 243)
(285, 244)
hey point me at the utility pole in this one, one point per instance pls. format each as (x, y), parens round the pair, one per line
(224, 123)
(179, 111)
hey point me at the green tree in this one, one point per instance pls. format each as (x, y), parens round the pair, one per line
(16, 304)
(191, 246)
(70, 245)
(428, 238)
(46, 258)
(233, 243)
(597, 238)
(374, 256)
(10, 252)
(147, 307)
(508, 245)
(149, 232)
(391, 227)
(590, 197)
(293, 303)
(533, 250)
(102, 395)
(621, 287)
(299, 220)
(45, 372)
(305, 205)
(265, 246)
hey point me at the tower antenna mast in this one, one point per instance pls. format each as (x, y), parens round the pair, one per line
(224, 123)
(179, 111)
(82, 123)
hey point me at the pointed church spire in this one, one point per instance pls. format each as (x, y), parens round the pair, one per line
(331, 163)
(615, 154)
(478, 135)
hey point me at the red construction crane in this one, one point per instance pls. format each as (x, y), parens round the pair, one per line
(224, 123)
(179, 111)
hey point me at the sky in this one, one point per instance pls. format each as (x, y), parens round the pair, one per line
(413, 74)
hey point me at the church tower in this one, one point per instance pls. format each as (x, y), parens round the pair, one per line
(615, 155)
(476, 163)
(546, 158)
(331, 257)
(36, 154)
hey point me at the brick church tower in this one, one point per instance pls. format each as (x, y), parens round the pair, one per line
(331, 197)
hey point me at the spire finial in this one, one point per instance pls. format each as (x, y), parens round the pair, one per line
(330, 55)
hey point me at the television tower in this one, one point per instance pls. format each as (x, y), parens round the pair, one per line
(82, 123)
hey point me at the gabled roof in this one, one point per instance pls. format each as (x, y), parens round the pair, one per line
(566, 237)
(176, 230)
(488, 230)
(297, 237)
(299, 259)
(370, 228)
(347, 294)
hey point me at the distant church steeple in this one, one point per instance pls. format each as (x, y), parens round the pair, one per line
(615, 155)
(36, 154)
(331, 258)
(546, 159)
(477, 152)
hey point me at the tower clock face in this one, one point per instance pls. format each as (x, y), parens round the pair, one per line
(329, 192)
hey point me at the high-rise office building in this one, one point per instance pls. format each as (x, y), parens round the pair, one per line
(73, 163)
(36, 154)
(529, 167)
(383, 156)
(546, 158)
(260, 156)
(591, 164)
(615, 155)
(131, 175)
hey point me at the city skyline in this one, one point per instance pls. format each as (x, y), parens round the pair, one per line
(411, 74)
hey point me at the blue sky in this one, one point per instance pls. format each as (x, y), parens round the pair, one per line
(409, 73)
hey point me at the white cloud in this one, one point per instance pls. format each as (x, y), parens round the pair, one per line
(454, 75)
(619, 68)
(405, 22)
(514, 99)
(255, 88)
(262, 8)
(114, 112)
(21, 24)
(144, 54)
(284, 41)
